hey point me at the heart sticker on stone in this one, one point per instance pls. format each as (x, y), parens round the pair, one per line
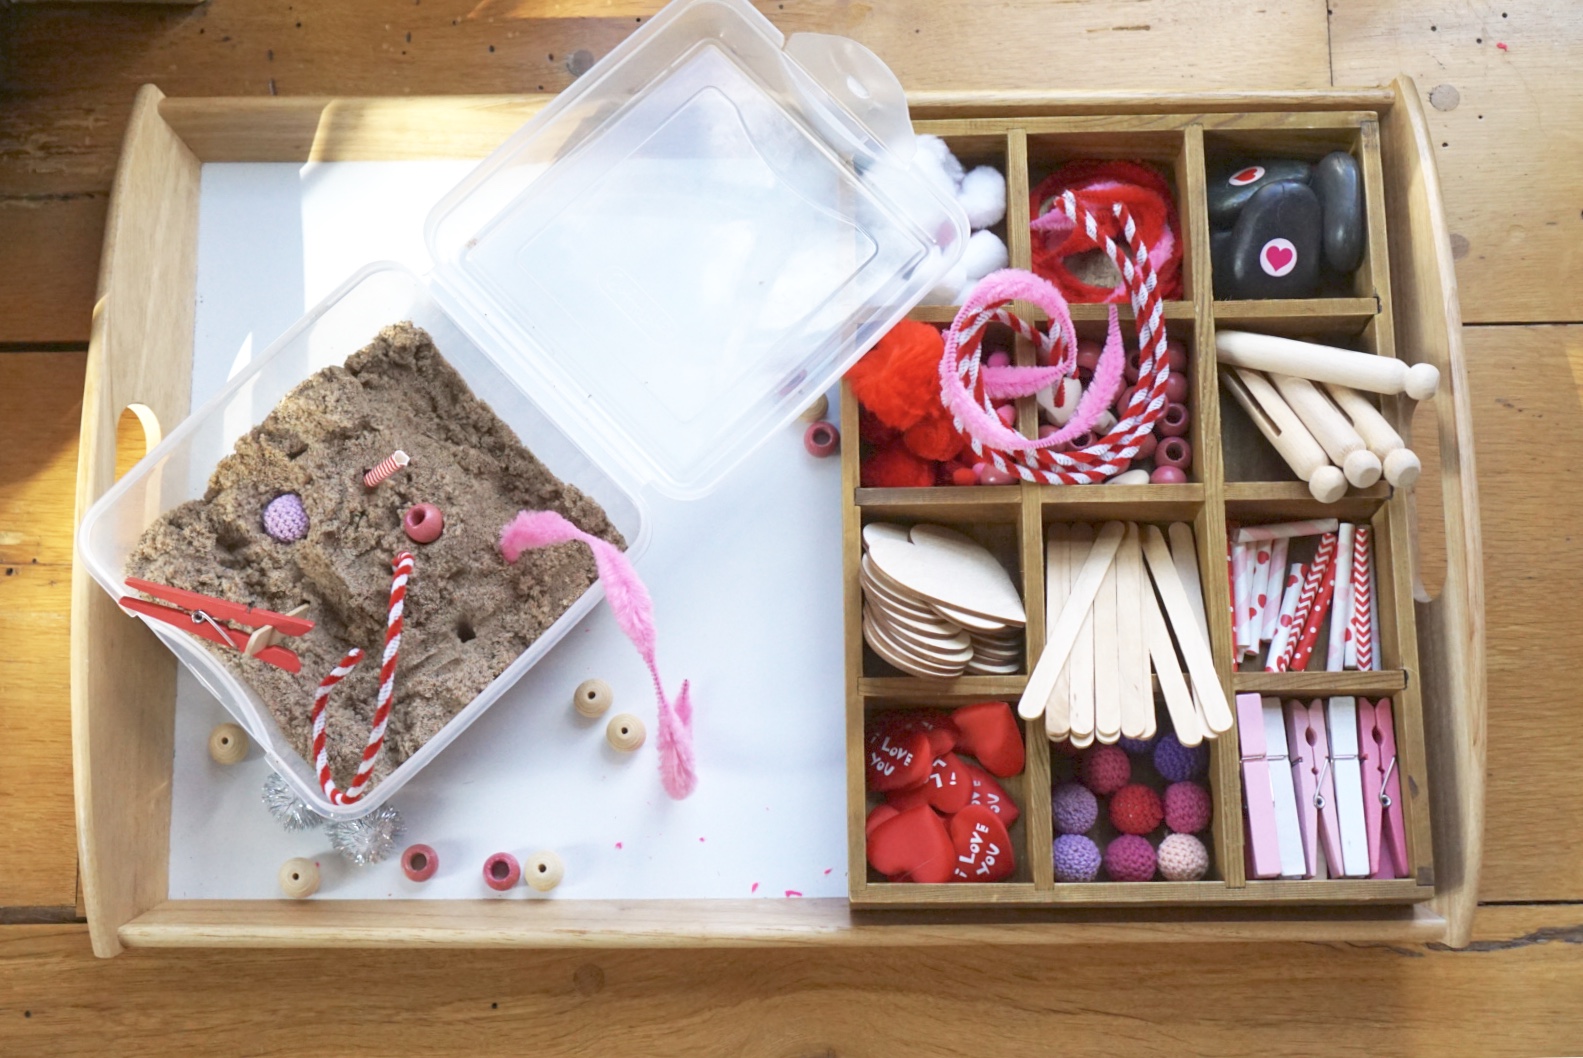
(1278, 257)
(1244, 177)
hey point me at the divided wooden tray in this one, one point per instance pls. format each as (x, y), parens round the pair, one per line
(141, 354)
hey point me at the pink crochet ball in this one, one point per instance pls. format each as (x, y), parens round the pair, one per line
(1129, 859)
(1187, 807)
(1105, 769)
(1135, 809)
(1183, 858)
(284, 518)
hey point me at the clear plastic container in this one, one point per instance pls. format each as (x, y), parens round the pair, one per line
(673, 259)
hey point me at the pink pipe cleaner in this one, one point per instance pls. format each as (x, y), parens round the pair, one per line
(634, 612)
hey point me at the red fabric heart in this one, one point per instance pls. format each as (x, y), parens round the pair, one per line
(990, 794)
(983, 848)
(896, 760)
(941, 731)
(949, 786)
(882, 813)
(989, 731)
(914, 845)
(911, 797)
(1278, 256)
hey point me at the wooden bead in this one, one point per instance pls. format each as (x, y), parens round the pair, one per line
(544, 871)
(502, 871)
(592, 698)
(817, 410)
(419, 862)
(299, 878)
(228, 744)
(625, 732)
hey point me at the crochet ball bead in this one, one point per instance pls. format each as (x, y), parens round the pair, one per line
(1137, 745)
(502, 871)
(1135, 809)
(625, 732)
(1105, 769)
(592, 698)
(423, 523)
(284, 518)
(1183, 858)
(1175, 762)
(1074, 808)
(419, 862)
(1076, 859)
(545, 871)
(1129, 859)
(228, 744)
(299, 878)
(1187, 807)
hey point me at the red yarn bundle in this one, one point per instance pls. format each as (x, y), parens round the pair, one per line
(1146, 195)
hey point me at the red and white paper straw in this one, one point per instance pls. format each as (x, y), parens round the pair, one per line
(387, 466)
(1320, 607)
(1360, 650)
(1286, 618)
(1285, 530)
(1241, 600)
(1305, 601)
(1341, 602)
(1274, 589)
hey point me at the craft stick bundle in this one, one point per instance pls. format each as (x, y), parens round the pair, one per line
(1317, 593)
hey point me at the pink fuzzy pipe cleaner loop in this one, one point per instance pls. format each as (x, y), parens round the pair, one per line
(634, 612)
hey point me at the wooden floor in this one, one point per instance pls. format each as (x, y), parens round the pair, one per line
(1505, 120)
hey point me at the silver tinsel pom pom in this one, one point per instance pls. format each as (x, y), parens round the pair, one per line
(289, 810)
(367, 840)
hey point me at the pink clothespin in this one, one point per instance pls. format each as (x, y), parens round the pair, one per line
(1263, 848)
(1303, 729)
(1325, 789)
(1382, 790)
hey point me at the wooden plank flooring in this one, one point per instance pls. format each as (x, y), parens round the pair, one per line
(67, 73)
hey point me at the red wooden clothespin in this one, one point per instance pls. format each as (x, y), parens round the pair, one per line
(202, 615)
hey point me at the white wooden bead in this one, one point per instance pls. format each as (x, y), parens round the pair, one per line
(299, 878)
(543, 871)
(228, 744)
(817, 410)
(592, 698)
(625, 732)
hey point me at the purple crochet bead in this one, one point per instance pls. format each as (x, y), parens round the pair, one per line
(1076, 859)
(1129, 859)
(1074, 808)
(1137, 745)
(1176, 763)
(284, 518)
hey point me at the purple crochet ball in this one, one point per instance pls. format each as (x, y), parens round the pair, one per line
(1137, 746)
(1076, 859)
(1187, 807)
(284, 518)
(1074, 808)
(1129, 859)
(1176, 763)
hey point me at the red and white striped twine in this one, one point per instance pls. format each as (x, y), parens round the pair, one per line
(387, 466)
(1362, 601)
(402, 566)
(1114, 452)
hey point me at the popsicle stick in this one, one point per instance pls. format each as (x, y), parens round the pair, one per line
(1195, 645)
(1107, 656)
(1080, 666)
(1162, 652)
(1057, 582)
(1184, 554)
(1132, 652)
(1058, 645)
(1145, 602)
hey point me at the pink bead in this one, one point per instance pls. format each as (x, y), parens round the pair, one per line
(1173, 421)
(1146, 445)
(1168, 476)
(502, 871)
(1176, 388)
(1134, 361)
(1045, 430)
(999, 359)
(993, 475)
(423, 523)
(1176, 354)
(1174, 452)
(1124, 400)
(419, 862)
(1082, 440)
(1007, 414)
(1088, 352)
(821, 439)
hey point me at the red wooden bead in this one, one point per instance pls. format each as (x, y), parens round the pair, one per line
(821, 439)
(423, 523)
(419, 862)
(1173, 420)
(1168, 476)
(502, 871)
(1176, 387)
(1174, 452)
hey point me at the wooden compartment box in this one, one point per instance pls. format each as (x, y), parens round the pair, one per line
(1402, 302)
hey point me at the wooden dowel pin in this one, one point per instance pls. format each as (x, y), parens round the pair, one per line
(1401, 465)
(1330, 428)
(1286, 433)
(1324, 363)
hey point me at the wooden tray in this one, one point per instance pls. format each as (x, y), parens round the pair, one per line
(140, 356)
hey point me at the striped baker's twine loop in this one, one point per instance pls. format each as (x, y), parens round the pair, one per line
(402, 567)
(1109, 455)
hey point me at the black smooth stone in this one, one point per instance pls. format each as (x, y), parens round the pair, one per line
(1219, 257)
(1274, 250)
(1231, 187)
(1339, 185)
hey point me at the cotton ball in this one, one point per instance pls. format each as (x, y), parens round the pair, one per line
(983, 196)
(984, 253)
(949, 290)
(934, 157)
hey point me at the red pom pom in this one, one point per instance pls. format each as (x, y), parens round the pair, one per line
(934, 437)
(1135, 809)
(899, 379)
(894, 467)
(871, 431)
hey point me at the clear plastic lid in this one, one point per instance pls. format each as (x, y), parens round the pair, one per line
(696, 239)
